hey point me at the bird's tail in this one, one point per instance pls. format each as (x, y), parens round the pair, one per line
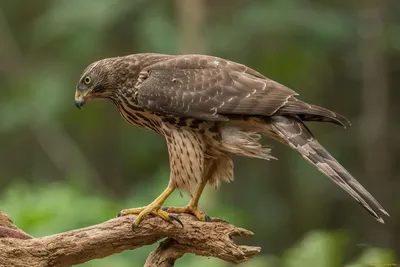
(293, 132)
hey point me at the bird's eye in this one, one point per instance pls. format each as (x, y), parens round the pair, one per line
(87, 80)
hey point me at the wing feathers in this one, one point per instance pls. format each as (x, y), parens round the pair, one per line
(309, 112)
(205, 87)
(225, 88)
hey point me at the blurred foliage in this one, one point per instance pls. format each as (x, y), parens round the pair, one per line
(58, 163)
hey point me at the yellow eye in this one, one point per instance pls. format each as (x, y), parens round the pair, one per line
(87, 80)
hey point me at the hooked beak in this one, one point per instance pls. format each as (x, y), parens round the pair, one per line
(80, 98)
(79, 102)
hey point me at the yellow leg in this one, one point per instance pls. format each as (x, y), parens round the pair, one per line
(192, 206)
(153, 208)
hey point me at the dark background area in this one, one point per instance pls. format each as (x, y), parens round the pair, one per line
(61, 168)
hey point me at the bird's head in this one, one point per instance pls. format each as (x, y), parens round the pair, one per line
(101, 79)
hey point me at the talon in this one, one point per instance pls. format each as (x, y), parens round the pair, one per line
(201, 216)
(153, 208)
(176, 218)
(164, 208)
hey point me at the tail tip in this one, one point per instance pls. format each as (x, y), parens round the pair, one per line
(379, 219)
(384, 212)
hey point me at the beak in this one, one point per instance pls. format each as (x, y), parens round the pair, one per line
(79, 102)
(80, 98)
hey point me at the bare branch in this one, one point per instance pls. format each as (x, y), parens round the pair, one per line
(114, 236)
(165, 255)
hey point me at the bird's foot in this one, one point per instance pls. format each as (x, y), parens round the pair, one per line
(154, 209)
(200, 215)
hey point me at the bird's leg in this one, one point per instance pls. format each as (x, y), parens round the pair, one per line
(153, 208)
(192, 206)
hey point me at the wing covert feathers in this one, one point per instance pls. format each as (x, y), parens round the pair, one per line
(209, 88)
(296, 134)
(212, 88)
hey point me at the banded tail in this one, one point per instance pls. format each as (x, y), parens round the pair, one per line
(295, 133)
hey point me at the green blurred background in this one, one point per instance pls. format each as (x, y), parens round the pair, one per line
(61, 168)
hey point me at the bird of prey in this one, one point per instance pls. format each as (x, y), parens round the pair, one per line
(209, 109)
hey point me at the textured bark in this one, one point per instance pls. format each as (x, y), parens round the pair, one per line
(166, 254)
(8, 229)
(114, 236)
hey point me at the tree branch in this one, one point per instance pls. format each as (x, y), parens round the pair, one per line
(165, 255)
(77, 246)
(8, 229)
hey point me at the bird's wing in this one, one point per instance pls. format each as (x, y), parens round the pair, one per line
(212, 88)
(206, 87)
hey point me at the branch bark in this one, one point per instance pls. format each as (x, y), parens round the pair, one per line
(8, 229)
(98, 241)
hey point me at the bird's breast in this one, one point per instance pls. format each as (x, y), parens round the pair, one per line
(139, 117)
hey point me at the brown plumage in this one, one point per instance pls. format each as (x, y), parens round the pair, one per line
(209, 109)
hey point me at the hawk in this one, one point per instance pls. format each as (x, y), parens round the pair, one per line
(209, 109)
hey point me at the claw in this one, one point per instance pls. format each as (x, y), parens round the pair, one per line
(133, 227)
(176, 218)
(119, 214)
(201, 216)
